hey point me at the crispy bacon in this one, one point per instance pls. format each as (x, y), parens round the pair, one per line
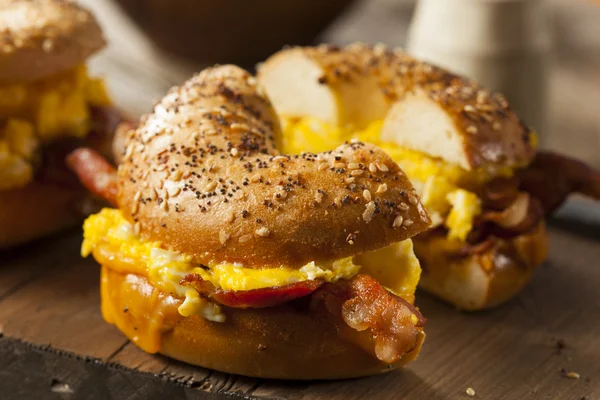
(95, 173)
(368, 315)
(553, 177)
(256, 298)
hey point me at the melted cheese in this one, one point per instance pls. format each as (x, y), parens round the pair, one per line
(110, 238)
(444, 188)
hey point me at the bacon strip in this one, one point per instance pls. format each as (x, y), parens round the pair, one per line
(256, 298)
(553, 177)
(95, 173)
(368, 315)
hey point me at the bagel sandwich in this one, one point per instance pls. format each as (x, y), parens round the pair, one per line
(49, 104)
(224, 252)
(473, 161)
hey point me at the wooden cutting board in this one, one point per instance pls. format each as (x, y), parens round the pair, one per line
(56, 345)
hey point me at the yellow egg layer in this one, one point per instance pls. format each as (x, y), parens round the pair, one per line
(38, 112)
(444, 187)
(112, 241)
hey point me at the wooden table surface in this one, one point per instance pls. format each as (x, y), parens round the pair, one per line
(523, 350)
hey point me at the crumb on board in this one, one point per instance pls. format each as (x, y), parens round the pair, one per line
(569, 374)
(470, 392)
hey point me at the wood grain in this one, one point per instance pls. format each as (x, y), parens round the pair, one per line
(507, 353)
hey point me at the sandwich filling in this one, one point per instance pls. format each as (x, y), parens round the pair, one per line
(449, 192)
(113, 242)
(36, 113)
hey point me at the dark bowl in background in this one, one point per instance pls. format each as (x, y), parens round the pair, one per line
(237, 31)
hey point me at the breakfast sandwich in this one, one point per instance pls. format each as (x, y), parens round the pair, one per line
(475, 164)
(48, 105)
(222, 251)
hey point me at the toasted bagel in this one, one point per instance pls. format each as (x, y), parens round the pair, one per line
(202, 175)
(279, 342)
(218, 235)
(485, 279)
(44, 37)
(452, 123)
(358, 84)
(22, 219)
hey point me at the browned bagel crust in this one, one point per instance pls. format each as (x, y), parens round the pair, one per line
(43, 37)
(38, 210)
(483, 280)
(201, 174)
(491, 133)
(277, 342)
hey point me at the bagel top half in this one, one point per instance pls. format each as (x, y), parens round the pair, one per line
(358, 84)
(202, 175)
(40, 38)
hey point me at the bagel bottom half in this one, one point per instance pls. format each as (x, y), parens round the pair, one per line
(279, 342)
(482, 280)
(37, 210)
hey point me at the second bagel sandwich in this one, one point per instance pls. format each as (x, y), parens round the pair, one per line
(223, 252)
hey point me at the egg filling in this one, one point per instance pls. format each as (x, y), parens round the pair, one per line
(446, 189)
(113, 242)
(39, 112)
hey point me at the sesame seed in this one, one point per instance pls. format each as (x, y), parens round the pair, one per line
(323, 167)
(176, 176)
(367, 195)
(339, 165)
(472, 129)
(573, 375)
(496, 126)
(161, 167)
(470, 392)
(138, 196)
(469, 108)
(382, 188)
(413, 200)
(164, 206)
(318, 197)
(136, 228)
(244, 238)
(135, 208)
(354, 140)
(369, 212)
(357, 172)
(210, 186)
(407, 222)
(223, 237)
(230, 216)
(239, 127)
(235, 152)
(372, 168)
(255, 178)
(349, 180)
(264, 231)
(173, 191)
(382, 167)
(398, 221)
(353, 165)
(403, 206)
(153, 194)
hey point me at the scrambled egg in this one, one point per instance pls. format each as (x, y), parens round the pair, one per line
(111, 239)
(41, 111)
(444, 187)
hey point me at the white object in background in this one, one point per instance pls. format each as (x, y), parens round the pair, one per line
(504, 44)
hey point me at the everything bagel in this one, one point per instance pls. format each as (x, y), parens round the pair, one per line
(472, 160)
(216, 234)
